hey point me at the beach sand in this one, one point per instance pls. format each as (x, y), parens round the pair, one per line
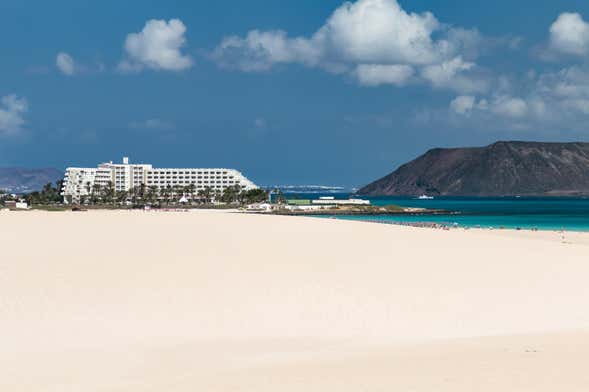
(216, 301)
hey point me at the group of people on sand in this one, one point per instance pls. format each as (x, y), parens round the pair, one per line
(443, 225)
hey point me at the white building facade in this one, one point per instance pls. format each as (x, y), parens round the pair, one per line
(80, 182)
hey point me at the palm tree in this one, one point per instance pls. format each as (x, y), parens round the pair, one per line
(207, 193)
(167, 193)
(217, 193)
(88, 187)
(142, 189)
(191, 189)
(254, 196)
(231, 194)
(96, 192)
(109, 193)
(121, 196)
(152, 194)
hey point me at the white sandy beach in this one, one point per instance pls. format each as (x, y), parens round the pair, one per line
(214, 301)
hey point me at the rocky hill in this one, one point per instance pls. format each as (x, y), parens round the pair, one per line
(500, 169)
(20, 180)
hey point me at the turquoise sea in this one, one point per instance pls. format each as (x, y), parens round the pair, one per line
(552, 213)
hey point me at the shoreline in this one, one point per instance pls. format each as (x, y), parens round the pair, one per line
(419, 225)
(443, 226)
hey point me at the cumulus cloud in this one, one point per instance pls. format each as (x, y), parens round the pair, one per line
(375, 41)
(158, 46)
(65, 63)
(505, 105)
(453, 75)
(500, 105)
(569, 34)
(463, 104)
(539, 100)
(260, 50)
(550, 100)
(377, 74)
(12, 111)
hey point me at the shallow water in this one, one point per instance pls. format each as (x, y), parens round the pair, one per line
(552, 213)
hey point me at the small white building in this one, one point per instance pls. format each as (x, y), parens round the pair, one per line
(16, 205)
(329, 200)
(306, 207)
(260, 207)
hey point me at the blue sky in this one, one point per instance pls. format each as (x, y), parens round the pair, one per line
(289, 92)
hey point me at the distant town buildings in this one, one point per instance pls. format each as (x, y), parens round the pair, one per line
(80, 182)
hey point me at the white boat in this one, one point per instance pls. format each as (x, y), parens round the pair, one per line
(425, 197)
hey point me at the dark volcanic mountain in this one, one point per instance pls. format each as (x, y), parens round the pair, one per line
(501, 169)
(20, 180)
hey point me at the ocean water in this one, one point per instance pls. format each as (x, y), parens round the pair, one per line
(550, 213)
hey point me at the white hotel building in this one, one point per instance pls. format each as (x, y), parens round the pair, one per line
(79, 181)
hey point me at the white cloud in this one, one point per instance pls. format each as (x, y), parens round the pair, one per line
(549, 101)
(453, 75)
(463, 104)
(569, 34)
(158, 46)
(375, 41)
(502, 106)
(380, 31)
(377, 74)
(260, 50)
(12, 110)
(65, 63)
(509, 106)
(538, 100)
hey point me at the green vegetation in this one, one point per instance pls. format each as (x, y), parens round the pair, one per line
(49, 195)
(298, 202)
(49, 198)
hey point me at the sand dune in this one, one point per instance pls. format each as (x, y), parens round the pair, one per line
(133, 301)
